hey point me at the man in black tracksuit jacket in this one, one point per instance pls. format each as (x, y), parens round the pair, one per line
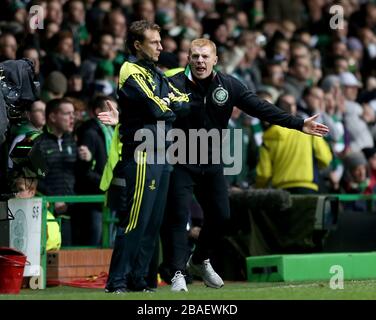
(139, 186)
(212, 97)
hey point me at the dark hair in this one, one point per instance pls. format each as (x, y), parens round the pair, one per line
(137, 33)
(58, 37)
(107, 18)
(97, 37)
(21, 50)
(267, 65)
(29, 106)
(53, 105)
(294, 61)
(100, 102)
(281, 103)
(307, 91)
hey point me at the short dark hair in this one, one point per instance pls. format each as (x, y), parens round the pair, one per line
(137, 33)
(21, 50)
(100, 102)
(60, 36)
(294, 61)
(53, 105)
(306, 92)
(29, 106)
(281, 103)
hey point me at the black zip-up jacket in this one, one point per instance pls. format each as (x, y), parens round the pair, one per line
(143, 100)
(61, 160)
(211, 108)
(89, 173)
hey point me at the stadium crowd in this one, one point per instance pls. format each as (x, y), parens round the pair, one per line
(290, 52)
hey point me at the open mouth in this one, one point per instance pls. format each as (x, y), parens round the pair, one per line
(200, 69)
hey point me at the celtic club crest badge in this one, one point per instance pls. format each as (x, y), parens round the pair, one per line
(220, 96)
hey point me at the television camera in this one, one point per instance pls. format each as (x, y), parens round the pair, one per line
(18, 90)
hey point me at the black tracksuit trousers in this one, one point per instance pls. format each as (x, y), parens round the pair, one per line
(140, 206)
(209, 186)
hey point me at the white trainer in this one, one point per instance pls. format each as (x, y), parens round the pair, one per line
(178, 282)
(206, 272)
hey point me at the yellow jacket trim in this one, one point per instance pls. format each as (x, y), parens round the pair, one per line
(141, 82)
(128, 69)
(181, 97)
(172, 72)
(140, 74)
(138, 192)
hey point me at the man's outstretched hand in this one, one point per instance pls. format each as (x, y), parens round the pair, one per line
(314, 128)
(111, 116)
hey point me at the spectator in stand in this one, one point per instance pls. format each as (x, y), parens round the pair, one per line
(340, 65)
(290, 160)
(248, 69)
(60, 153)
(356, 180)
(54, 12)
(355, 115)
(75, 87)
(62, 58)
(97, 137)
(33, 54)
(104, 83)
(54, 87)
(102, 50)
(297, 78)
(299, 50)
(49, 31)
(75, 23)
(370, 154)
(237, 122)
(115, 23)
(273, 76)
(35, 114)
(280, 10)
(313, 102)
(81, 113)
(27, 188)
(280, 49)
(144, 10)
(8, 47)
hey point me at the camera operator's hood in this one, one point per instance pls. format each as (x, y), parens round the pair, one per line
(17, 89)
(19, 74)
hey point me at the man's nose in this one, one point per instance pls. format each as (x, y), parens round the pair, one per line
(200, 59)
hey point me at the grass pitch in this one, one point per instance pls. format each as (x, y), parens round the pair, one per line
(353, 290)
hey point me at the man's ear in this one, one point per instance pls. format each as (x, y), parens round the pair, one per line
(137, 45)
(215, 60)
(52, 117)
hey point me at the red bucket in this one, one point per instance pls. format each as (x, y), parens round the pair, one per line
(12, 264)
